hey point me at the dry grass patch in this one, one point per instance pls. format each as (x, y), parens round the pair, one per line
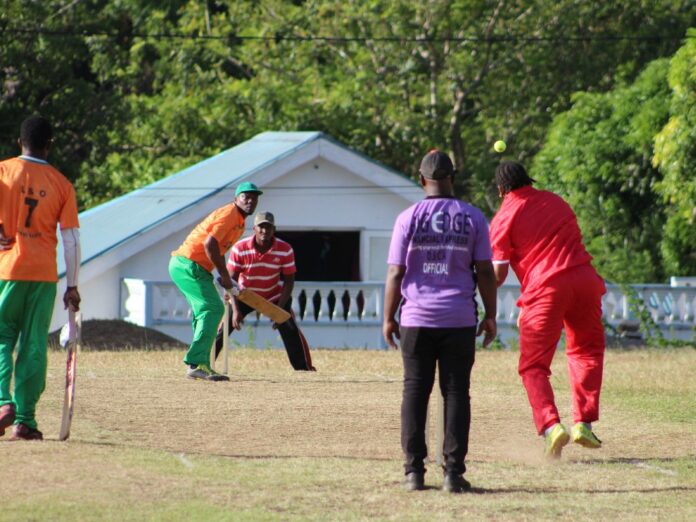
(273, 444)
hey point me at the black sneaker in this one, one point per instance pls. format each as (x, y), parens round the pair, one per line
(414, 481)
(206, 373)
(455, 483)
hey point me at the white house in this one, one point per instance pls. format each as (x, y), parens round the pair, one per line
(334, 205)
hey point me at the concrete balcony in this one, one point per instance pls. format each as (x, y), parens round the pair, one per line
(349, 315)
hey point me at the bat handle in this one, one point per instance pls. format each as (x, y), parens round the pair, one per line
(73, 316)
(231, 291)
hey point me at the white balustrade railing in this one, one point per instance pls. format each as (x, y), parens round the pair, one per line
(153, 303)
(159, 302)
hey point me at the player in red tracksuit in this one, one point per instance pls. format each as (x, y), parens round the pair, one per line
(536, 233)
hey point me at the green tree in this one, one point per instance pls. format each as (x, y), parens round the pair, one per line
(476, 71)
(51, 74)
(402, 78)
(675, 156)
(598, 155)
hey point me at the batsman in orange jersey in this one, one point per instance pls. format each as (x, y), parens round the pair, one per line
(34, 199)
(191, 266)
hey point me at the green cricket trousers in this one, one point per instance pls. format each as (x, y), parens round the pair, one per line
(26, 308)
(197, 285)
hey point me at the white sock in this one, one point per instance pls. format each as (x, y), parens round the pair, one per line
(550, 429)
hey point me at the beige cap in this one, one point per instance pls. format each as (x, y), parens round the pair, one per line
(264, 217)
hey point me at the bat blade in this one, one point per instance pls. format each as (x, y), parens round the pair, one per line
(75, 338)
(274, 312)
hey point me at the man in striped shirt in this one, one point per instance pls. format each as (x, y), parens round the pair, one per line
(265, 264)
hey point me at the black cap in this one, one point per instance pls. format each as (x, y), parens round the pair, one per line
(436, 165)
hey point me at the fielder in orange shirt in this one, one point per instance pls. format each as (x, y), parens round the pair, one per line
(34, 199)
(190, 268)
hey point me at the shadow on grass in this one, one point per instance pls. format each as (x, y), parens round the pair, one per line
(630, 460)
(329, 380)
(536, 491)
(641, 462)
(201, 453)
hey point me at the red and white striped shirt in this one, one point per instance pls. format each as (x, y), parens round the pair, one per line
(261, 272)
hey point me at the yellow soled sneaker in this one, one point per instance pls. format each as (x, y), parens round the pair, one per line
(555, 440)
(582, 434)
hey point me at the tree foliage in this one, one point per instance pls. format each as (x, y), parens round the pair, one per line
(675, 156)
(138, 89)
(452, 74)
(625, 161)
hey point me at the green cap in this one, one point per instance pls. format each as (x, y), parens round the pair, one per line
(247, 186)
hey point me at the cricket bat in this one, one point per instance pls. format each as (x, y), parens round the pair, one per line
(274, 312)
(436, 403)
(226, 337)
(439, 428)
(72, 345)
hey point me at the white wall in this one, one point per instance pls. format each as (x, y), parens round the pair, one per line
(327, 206)
(305, 192)
(374, 251)
(321, 195)
(152, 263)
(100, 299)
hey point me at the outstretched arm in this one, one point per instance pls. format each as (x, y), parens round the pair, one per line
(501, 272)
(72, 252)
(486, 281)
(288, 285)
(237, 319)
(212, 250)
(392, 298)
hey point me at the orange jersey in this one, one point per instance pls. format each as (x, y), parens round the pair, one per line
(34, 199)
(225, 224)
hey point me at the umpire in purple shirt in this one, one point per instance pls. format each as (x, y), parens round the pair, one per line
(440, 252)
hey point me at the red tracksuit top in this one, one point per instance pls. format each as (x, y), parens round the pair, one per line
(537, 232)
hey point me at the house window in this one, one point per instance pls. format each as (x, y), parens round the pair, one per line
(325, 255)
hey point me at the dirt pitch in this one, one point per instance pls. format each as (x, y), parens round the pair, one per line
(273, 444)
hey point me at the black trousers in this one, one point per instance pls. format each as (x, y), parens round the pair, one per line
(453, 350)
(295, 343)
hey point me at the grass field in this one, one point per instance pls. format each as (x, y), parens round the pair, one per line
(272, 444)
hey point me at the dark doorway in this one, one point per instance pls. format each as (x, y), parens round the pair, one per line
(325, 256)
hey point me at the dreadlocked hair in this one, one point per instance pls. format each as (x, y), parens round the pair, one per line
(510, 176)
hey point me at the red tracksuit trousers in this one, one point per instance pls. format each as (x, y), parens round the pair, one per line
(570, 300)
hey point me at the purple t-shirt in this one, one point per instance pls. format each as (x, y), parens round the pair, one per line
(438, 240)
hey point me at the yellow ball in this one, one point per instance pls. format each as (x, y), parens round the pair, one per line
(499, 146)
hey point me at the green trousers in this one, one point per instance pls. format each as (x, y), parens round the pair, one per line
(26, 308)
(197, 285)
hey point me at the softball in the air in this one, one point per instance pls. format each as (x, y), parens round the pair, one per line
(499, 146)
